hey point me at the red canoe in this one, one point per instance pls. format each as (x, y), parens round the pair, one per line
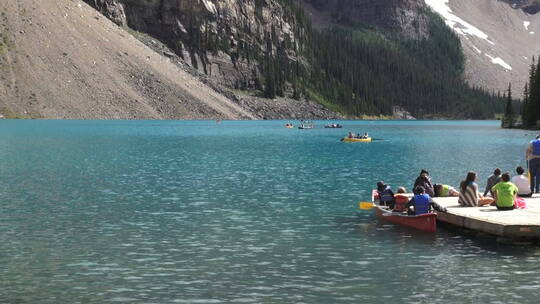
(425, 222)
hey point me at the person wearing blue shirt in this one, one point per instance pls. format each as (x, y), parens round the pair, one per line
(421, 201)
(533, 157)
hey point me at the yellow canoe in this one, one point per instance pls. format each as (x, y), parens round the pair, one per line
(346, 139)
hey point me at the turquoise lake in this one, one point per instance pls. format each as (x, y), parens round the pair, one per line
(244, 212)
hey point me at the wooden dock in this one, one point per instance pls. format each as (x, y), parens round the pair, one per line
(508, 226)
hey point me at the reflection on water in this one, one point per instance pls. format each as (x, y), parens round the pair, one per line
(245, 212)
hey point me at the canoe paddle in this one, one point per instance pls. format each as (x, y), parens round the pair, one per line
(365, 205)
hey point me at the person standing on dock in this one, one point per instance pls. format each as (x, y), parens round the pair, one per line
(533, 157)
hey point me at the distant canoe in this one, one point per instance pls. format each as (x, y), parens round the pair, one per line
(306, 125)
(333, 126)
(347, 139)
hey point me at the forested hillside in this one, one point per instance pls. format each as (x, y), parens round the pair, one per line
(357, 69)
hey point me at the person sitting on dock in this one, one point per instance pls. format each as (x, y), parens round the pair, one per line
(401, 200)
(505, 193)
(424, 180)
(469, 195)
(386, 195)
(421, 202)
(444, 190)
(522, 182)
(493, 179)
(533, 157)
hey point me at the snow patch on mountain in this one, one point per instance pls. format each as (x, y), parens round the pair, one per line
(499, 61)
(459, 25)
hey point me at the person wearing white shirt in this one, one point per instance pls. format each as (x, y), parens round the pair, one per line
(522, 182)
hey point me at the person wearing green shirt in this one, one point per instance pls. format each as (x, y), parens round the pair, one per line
(505, 193)
(444, 190)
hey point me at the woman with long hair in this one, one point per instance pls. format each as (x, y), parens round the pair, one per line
(469, 195)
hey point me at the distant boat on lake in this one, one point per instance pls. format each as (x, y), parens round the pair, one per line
(352, 137)
(308, 124)
(355, 139)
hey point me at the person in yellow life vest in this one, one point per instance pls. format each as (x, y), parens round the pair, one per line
(505, 193)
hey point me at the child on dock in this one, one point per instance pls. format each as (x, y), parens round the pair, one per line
(469, 195)
(522, 182)
(493, 180)
(505, 193)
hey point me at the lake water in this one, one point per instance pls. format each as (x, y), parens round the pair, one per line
(243, 212)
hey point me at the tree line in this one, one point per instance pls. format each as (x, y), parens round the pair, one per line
(531, 98)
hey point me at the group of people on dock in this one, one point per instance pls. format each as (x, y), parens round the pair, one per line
(501, 191)
(504, 191)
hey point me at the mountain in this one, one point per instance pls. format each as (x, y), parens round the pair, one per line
(63, 59)
(233, 59)
(499, 38)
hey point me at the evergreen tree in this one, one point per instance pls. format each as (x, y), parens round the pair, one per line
(528, 111)
(508, 119)
(535, 94)
(525, 104)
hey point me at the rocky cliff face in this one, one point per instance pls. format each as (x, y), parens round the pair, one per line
(63, 59)
(225, 38)
(217, 37)
(407, 17)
